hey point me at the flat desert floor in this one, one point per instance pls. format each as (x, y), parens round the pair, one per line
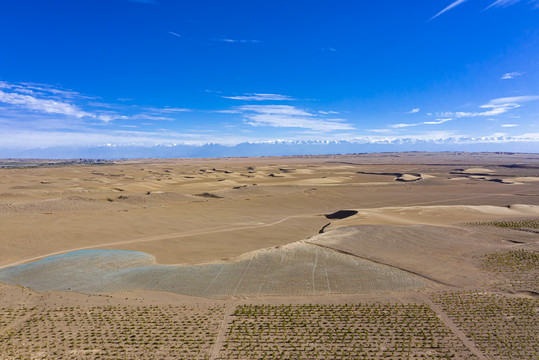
(365, 256)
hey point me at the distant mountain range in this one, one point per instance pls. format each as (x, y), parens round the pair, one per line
(272, 148)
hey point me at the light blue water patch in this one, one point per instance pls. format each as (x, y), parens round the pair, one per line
(86, 271)
(292, 270)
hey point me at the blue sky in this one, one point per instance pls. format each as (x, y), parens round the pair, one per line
(146, 72)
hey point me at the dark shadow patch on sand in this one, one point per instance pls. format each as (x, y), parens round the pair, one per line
(520, 166)
(341, 214)
(398, 176)
(324, 228)
(209, 195)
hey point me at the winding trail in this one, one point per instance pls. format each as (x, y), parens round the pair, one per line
(183, 234)
(152, 238)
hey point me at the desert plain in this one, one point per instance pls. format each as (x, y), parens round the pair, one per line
(365, 256)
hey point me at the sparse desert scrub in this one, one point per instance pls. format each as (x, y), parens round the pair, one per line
(513, 224)
(113, 332)
(503, 327)
(349, 331)
(517, 268)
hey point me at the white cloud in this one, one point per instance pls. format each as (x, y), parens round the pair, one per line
(287, 116)
(497, 106)
(275, 109)
(514, 99)
(414, 111)
(227, 111)
(241, 41)
(502, 3)
(260, 97)
(509, 125)
(26, 100)
(451, 6)
(175, 34)
(511, 75)
(497, 3)
(437, 122)
(381, 130)
(166, 109)
(43, 105)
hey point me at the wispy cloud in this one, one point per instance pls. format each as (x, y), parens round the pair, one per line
(175, 34)
(165, 109)
(286, 116)
(509, 125)
(42, 105)
(241, 41)
(495, 106)
(260, 97)
(43, 90)
(511, 75)
(451, 6)
(497, 3)
(503, 3)
(414, 111)
(25, 100)
(437, 122)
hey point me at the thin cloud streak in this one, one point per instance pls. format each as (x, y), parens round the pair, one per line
(241, 41)
(502, 3)
(175, 34)
(437, 122)
(451, 6)
(260, 97)
(497, 3)
(496, 106)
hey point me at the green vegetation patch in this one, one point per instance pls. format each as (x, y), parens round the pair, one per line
(344, 331)
(518, 269)
(513, 224)
(515, 260)
(502, 327)
(110, 332)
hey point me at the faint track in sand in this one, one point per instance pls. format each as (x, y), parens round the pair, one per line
(152, 238)
(221, 335)
(442, 315)
(182, 234)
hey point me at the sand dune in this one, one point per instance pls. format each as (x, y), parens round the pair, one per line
(120, 206)
(436, 215)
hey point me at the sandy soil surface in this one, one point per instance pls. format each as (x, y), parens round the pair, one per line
(196, 210)
(261, 223)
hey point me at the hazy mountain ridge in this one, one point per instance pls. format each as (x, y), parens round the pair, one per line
(271, 148)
